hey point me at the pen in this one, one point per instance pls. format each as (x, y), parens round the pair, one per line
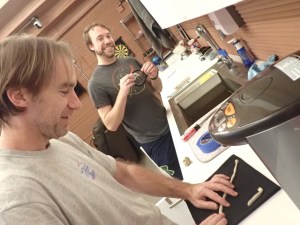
(191, 132)
(186, 136)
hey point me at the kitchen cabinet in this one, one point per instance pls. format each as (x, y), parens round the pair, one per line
(132, 27)
(176, 210)
(172, 208)
(171, 12)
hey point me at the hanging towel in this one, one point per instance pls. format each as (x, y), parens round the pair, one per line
(157, 37)
(255, 69)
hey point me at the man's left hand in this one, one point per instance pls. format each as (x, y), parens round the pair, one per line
(150, 69)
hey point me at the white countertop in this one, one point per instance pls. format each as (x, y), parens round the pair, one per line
(181, 72)
(279, 209)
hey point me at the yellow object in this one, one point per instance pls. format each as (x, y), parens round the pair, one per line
(229, 110)
(205, 77)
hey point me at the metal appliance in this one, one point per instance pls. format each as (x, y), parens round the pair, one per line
(265, 113)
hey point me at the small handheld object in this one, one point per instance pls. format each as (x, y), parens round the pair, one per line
(256, 196)
(186, 136)
(139, 77)
(207, 144)
(191, 132)
(236, 162)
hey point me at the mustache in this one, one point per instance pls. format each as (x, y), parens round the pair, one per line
(109, 45)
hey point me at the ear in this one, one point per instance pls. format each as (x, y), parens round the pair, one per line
(18, 96)
(91, 47)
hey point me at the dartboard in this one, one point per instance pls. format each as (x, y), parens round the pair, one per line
(121, 51)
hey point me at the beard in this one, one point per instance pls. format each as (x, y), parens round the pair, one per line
(52, 128)
(109, 54)
(49, 123)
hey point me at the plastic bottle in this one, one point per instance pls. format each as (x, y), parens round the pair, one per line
(241, 50)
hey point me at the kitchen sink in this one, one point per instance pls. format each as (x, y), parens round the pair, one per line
(199, 98)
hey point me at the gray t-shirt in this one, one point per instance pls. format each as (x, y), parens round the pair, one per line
(145, 116)
(68, 183)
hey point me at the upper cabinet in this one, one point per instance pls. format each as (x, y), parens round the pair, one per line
(171, 12)
(132, 27)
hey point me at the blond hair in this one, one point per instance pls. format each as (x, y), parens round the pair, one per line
(26, 62)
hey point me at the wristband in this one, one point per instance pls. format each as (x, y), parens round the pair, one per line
(154, 78)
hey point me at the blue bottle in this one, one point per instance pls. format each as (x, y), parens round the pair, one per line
(241, 50)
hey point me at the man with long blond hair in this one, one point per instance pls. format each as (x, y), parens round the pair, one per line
(48, 175)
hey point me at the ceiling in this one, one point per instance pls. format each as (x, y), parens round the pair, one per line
(56, 16)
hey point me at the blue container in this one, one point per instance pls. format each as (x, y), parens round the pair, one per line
(159, 63)
(207, 144)
(241, 50)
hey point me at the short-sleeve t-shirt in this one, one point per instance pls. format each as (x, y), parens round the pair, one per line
(145, 116)
(69, 183)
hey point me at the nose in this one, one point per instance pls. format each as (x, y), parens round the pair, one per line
(108, 40)
(74, 102)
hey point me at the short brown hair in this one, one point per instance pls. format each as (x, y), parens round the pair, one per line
(86, 36)
(27, 62)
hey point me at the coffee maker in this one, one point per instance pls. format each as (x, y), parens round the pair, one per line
(265, 113)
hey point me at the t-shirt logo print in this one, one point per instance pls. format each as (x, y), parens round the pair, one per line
(166, 169)
(121, 72)
(86, 170)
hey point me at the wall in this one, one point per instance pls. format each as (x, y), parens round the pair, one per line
(271, 26)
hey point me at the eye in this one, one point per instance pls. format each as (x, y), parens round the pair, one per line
(100, 39)
(64, 92)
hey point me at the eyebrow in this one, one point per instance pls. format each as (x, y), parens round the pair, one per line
(68, 84)
(102, 35)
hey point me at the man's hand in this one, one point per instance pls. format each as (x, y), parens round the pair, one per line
(214, 219)
(204, 195)
(152, 72)
(126, 83)
(150, 69)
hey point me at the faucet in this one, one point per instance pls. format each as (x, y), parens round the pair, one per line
(225, 58)
(203, 32)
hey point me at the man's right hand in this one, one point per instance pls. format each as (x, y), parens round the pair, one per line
(126, 83)
(204, 195)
